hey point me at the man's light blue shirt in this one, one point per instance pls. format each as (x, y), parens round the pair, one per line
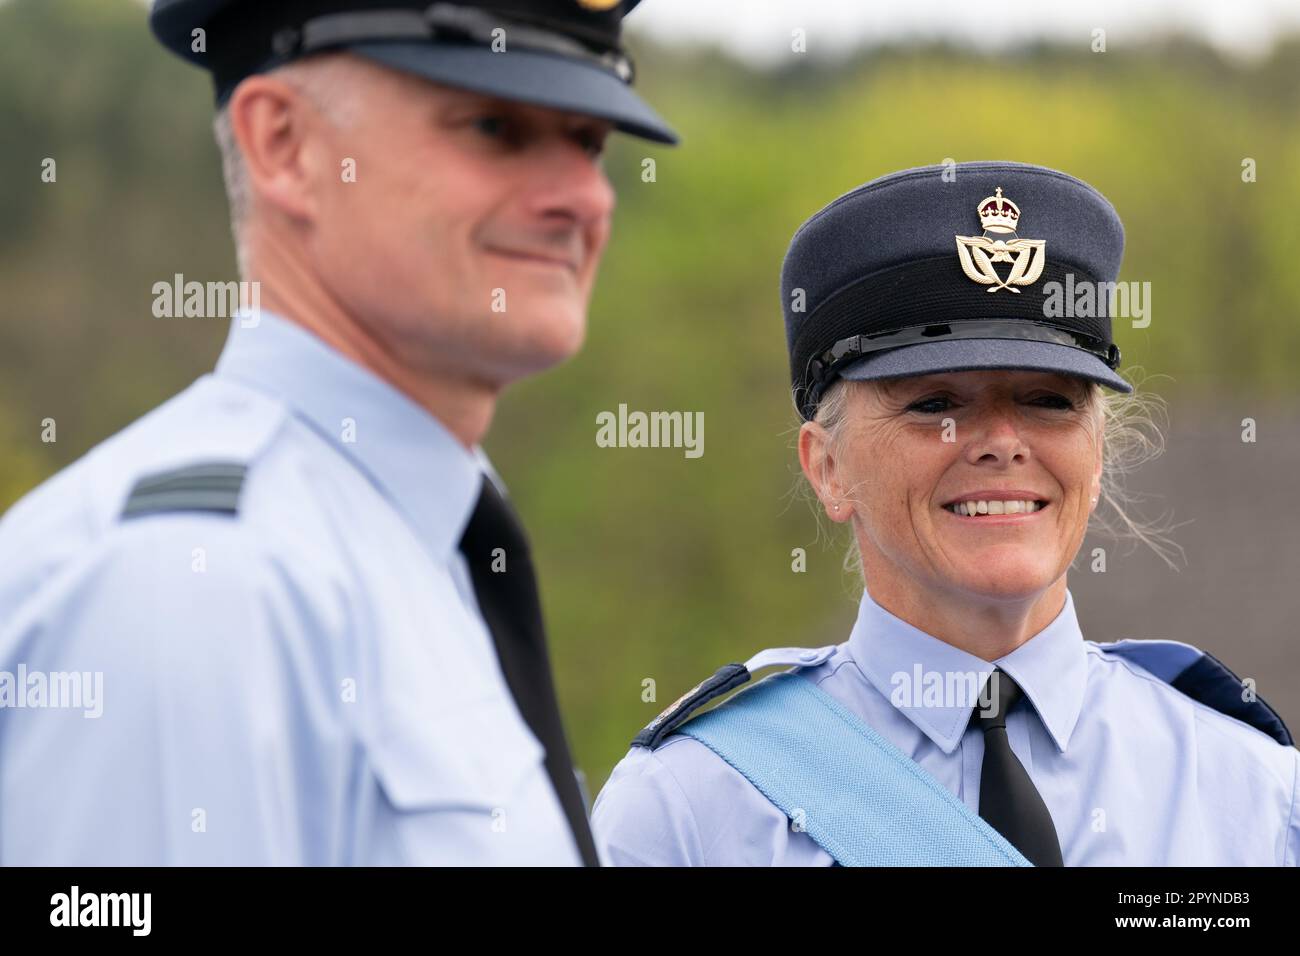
(1132, 771)
(308, 681)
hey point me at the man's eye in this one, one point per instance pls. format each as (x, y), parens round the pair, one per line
(494, 126)
(1056, 401)
(593, 143)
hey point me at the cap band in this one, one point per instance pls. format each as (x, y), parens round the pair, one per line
(439, 20)
(825, 368)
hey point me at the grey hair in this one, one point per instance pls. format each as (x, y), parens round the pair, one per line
(235, 177)
(325, 79)
(1132, 437)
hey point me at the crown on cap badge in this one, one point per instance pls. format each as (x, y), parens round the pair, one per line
(998, 214)
(977, 254)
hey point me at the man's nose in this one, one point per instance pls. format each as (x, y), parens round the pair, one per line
(570, 184)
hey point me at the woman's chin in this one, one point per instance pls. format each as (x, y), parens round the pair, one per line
(1007, 580)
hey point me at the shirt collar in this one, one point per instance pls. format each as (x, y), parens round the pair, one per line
(1051, 669)
(410, 456)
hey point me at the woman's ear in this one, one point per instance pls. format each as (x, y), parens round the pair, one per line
(818, 466)
(1095, 492)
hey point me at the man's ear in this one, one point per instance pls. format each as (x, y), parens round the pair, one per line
(818, 464)
(270, 120)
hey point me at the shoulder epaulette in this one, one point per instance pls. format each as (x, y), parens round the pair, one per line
(1204, 678)
(726, 678)
(203, 486)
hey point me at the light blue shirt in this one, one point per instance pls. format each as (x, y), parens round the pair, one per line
(1133, 772)
(309, 681)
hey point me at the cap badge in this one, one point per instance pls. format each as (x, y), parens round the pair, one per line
(978, 253)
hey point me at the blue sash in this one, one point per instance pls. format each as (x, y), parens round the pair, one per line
(863, 800)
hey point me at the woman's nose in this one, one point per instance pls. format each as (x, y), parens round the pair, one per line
(997, 431)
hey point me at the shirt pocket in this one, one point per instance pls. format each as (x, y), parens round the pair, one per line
(475, 755)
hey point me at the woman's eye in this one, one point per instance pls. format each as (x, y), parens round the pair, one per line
(925, 405)
(937, 403)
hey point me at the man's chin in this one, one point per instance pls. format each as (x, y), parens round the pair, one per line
(550, 341)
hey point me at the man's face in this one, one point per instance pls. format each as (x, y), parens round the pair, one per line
(469, 241)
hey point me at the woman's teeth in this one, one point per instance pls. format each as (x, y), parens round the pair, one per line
(971, 508)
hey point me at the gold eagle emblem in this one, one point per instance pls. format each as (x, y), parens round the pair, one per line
(978, 254)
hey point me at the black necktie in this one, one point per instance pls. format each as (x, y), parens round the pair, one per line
(510, 606)
(1009, 801)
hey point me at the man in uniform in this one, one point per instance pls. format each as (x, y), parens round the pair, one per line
(287, 617)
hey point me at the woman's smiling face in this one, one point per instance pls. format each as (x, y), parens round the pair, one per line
(908, 448)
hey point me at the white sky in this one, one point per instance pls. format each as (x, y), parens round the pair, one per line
(760, 30)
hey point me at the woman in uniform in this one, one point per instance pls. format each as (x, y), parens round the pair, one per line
(952, 359)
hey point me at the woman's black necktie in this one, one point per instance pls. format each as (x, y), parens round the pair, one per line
(513, 612)
(1009, 801)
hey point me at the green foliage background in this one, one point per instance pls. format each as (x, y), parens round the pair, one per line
(654, 566)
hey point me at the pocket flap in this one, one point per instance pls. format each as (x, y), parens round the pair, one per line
(472, 755)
